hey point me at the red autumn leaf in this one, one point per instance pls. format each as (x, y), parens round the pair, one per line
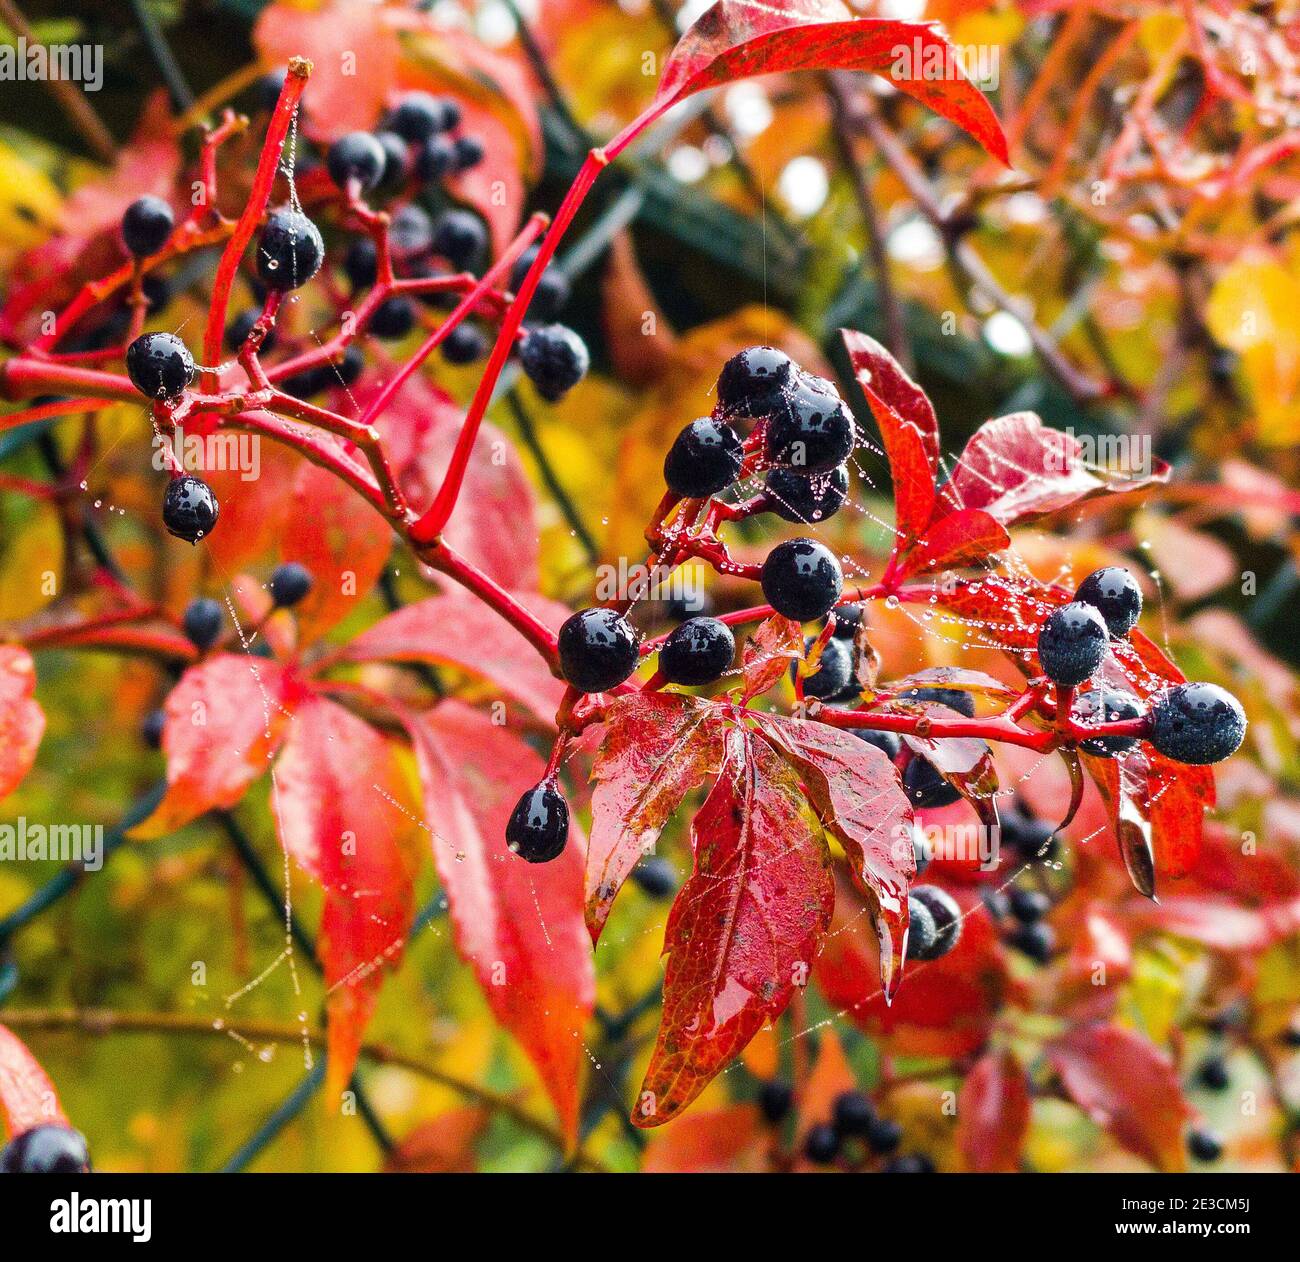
(444, 1145)
(993, 1114)
(743, 931)
(519, 925)
(494, 526)
(1101, 940)
(224, 721)
(457, 630)
(345, 815)
(967, 537)
(972, 681)
(22, 721)
(738, 39)
(27, 1096)
(657, 747)
(1128, 1086)
(253, 511)
(1007, 612)
(879, 372)
(1122, 783)
(768, 653)
(723, 1141)
(855, 790)
(1016, 468)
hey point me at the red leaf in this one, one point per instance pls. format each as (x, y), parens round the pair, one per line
(22, 721)
(225, 720)
(855, 790)
(657, 747)
(768, 653)
(1100, 940)
(1128, 1086)
(518, 924)
(738, 39)
(457, 630)
(724, 1141)
(878, 371)
(27, 1096)
(444, 1145)
(968, 537)
(993, 1114)
(744, 929)
(1010, 610)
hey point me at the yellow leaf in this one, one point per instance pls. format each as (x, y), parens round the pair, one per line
(32, 566)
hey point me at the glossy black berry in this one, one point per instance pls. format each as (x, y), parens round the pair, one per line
(834, 673)
(1114, 592)
(598, 650)
(908, 1163)
(356, 158)
(465, 344)
(655, 876)
(922, 933)
(397, 159)
(410, 233)
(848, 618)
(539, 825)
(925, 786)
(348, 368)
(469, 152)
(807, 499)
(802, 579)
(811, 430)
(289, 251)
(202, 622)
(821, 1145)
(1072, 643)
(417, 115)
(1027, 905)
(434, 158)
(703, 460)
(555, 359)
(1213, 1074)
(46, 1150)
(146, 225)
(157, 291)
(888, 743)
(697, 652)
(1197, 723)
(953, 698)
(774, 1100)
(1107, 705)
(151, 730)
(241, 326)
(552, 290)
(884, 1135)
(189, 508)
(289, 584)
(311, 381)
(160, 365)
(852, 1114)
(751, 381)
(946, 913)
(361, 263)
(1030, 838)
(1036, 940)
(393, 318)
(1204, 1145)
(460, 238)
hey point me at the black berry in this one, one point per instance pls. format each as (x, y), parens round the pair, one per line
(774, 1099)
(539, 824)
(393, 318)
(346, 370)
(241, 326)
(751, 381)
(807, 499)
(953, 698)
(410, 233)
(811, 430)
(418, 115)
(357, 157)
(157, 291)
(598, 650)
(821, 1145)
(160, 365)
(1107, 705)
(151, 730)
(1029, 837)
(1037, 941)
(146, 225)
(834, 671)
(1072, 643)
(1197, 723)
(290, 584)
(946, 913)
(908, 1163)
(801, 579)
(655, 876)
(267, 89)
(189, 508)
(434, 158)
(922, 933)
(925, 785)
(1204, 1145)
(465, 344)
(1028, 906)
(1213, 1074)
(202, 622)
(46, 1150)
(361, 263)
(469, 152)
(852, 1114)
(703, 460)
(552, 290)
(290, 250)
(397, 159)
(848, 618)
(887, 742)
(460, 238)
(697, 652)
(884, 1135)
(1114, 592)
(555, 359)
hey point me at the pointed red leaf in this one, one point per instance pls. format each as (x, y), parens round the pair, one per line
(768, 653)
(743, 931)
(856, 792)
(1128, 1086)
(967, 537)
(458, 630)
(518, 924)
(27, 1096)
(738, 39)
(22, 721)
(876, 369)
(224, 721)
(993, 1114)
(657, 747)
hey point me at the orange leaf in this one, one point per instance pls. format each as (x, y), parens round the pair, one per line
(22, 721)
(27, 1096)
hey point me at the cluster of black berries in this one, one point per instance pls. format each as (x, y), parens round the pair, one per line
(1193, 723)
(46, 1150)
(1021, 913)
(934, 922)
(855, 1130)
